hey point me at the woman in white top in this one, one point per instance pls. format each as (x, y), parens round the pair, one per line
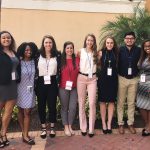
(46, 85)
(87, 81)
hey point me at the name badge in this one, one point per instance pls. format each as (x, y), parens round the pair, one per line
(29, 88)
(109, 71)
(129, 71)
(47, 79)
(90, 75)
(69, 85)
(142, 78)
(13, 76)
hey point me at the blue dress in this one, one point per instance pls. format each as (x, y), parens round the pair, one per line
(108, 85)
(26, 94)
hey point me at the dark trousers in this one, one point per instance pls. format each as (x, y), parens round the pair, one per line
(47, 94)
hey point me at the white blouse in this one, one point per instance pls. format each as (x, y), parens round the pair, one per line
(47, 66)
(86, 62)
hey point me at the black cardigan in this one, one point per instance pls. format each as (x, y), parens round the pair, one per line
(6, 69)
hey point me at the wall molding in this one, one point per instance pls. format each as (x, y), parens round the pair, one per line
(104, 6)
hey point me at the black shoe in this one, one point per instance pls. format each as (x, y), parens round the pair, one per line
(105, 131)
(109, 131)
(43, 133)
(84, 133)
(145, 133)
(1, 142)
(29, 141)
(6, 142)
(91, 135)
(52, 132)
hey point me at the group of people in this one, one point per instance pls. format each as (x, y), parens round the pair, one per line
(27, 73)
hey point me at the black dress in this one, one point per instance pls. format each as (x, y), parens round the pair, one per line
(108, 84)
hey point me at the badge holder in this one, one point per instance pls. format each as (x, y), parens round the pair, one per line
(29, 88)
(129, 71)
(13, 76)
(90, 75)
(143, 78)
(69, 85)
(47, 79)
(109, 71)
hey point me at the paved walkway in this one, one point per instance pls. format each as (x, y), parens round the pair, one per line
(114, 141)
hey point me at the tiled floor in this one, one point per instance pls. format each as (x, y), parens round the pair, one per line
(114, 141)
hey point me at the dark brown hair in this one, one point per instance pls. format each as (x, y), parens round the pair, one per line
(63, 56)
(53, 51)
(94, 47)
(12, 46)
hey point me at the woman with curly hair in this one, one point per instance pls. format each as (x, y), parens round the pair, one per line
(143, 93)
(27, 52)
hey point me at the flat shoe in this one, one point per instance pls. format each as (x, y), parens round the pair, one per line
(145, 133)
(104, 131)
(91, 135)
(29, 141)
(84, 133)
(109, 131)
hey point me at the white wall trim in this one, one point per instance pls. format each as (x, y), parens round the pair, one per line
(65, 5)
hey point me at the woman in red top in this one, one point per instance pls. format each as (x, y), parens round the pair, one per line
(67, 88)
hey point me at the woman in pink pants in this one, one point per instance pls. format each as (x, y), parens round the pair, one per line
(87, 82)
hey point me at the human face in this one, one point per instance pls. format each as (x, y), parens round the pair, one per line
(28, 52)
(89, 42)
(129, 40)
(5, 40)
(147, 47)
(48, 44)
(69, 50)
(109, 44)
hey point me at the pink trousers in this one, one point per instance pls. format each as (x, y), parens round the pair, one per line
(87, 85)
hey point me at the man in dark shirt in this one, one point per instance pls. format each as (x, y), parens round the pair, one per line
(127, 68)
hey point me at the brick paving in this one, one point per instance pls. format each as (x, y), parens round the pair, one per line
(114, 141)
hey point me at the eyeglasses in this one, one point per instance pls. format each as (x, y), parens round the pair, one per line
(129, 38)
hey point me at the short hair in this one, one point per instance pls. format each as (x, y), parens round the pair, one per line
(129, 33)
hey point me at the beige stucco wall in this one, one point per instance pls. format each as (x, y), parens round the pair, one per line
(148, 5)
(32, 25)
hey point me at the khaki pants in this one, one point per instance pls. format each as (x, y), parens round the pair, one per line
(127, 89)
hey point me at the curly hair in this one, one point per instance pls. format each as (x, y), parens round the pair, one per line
(63, 56)
(12, 46)
(143, 53)
(94, 47)
(21, 50)
(53, 51)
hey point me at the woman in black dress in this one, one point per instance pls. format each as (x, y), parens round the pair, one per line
(9, 75)
(107, 82)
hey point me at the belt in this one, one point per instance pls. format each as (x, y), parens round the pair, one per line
(86, 74)
(129, 77)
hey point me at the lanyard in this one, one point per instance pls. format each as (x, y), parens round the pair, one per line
(47, 65)
(109, 58)
(89, 60)
(27, 68)
(129, 57)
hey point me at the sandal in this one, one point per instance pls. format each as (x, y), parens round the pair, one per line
(52, 132)
(43, 133)
(1, 142)
(29, 141)
(6, 142)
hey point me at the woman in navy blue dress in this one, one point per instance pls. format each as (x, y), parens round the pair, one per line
(107, 82)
